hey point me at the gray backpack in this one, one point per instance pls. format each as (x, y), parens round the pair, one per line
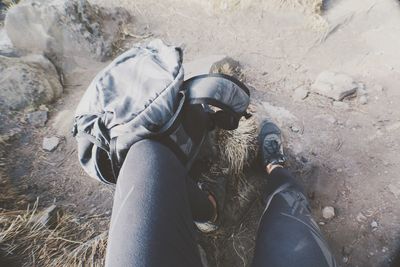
(142, 95)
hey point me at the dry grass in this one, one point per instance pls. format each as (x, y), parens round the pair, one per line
(10, 3)
(228, 66)
(72, 242)
(7, 193)
(237, 149)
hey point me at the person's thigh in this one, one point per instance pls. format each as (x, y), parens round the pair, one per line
(151, 222)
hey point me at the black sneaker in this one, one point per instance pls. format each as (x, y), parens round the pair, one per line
(215, 188)
(270, 142)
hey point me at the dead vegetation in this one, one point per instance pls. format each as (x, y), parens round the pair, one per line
(72, 242)
(10, 3)
(237, 148)
(69, 241)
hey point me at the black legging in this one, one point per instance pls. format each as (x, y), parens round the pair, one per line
(287, 234)
(155, 205)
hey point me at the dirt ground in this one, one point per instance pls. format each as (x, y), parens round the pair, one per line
(345, 156)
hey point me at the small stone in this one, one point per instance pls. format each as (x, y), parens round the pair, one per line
(50, 143)
(294, 129)
(321, 223)
(331, 119)
(334, 85)
(345, 259)
(300, 94)
(339, 170)
(48, 217)
(374, 225)
(43, 108)
(361, 218)
(86, 35)
(37, 118)
(363, 100)
(385, 163)
(385, 249)
(328, 212)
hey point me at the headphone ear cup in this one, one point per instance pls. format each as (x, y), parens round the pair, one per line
(225, 120)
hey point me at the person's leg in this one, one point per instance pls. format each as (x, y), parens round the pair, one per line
(152, 219)
(287, 234)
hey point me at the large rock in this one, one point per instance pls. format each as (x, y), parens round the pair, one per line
(64, 30)
(334, 85)
(27, 81)
(6, 47)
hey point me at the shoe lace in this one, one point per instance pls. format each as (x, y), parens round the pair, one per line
(272, 147)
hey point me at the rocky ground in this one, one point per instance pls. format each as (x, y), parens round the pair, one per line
(329, 80)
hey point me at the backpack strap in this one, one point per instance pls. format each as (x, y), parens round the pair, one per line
(173, 123)
(227, 93)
